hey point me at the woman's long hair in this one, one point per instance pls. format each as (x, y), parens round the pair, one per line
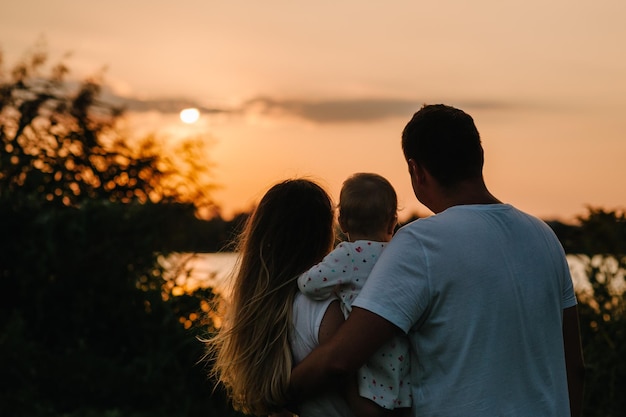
(290, 231)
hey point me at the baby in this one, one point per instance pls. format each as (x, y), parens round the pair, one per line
(367, 216)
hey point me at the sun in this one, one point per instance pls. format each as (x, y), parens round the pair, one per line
(190, 115)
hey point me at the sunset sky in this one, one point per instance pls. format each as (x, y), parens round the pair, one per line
(323, 89)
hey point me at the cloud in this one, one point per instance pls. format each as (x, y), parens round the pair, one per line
(349, 110)
(163, 105)
(316, 111)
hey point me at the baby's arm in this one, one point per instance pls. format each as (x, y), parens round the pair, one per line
(319, 282)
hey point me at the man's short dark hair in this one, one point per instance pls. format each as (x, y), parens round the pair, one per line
(445, 141)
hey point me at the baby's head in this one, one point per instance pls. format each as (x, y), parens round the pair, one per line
(368, 207)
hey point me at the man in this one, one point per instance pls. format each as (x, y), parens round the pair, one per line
(482, 290)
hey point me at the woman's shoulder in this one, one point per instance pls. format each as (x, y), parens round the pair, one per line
(308, 317)
(304, 306)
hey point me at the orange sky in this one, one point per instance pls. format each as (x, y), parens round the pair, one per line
(324, 89)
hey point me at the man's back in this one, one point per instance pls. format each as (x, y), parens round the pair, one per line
(480, 289)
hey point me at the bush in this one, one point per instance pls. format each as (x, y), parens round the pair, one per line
(86, 328)
(599, 241)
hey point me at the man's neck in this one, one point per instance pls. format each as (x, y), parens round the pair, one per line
(466, 193)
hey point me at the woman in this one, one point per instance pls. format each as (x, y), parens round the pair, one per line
(268, 324)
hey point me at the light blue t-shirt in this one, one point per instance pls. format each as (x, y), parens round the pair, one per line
(480, 290)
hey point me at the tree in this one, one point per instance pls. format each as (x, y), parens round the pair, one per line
(603, 312)
(87, 326)
(599, 241)
(59, 141)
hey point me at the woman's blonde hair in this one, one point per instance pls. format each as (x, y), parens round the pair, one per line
(290, 230)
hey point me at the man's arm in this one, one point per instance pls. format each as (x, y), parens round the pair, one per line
(362, 334)
(574, 361)
(360, 406)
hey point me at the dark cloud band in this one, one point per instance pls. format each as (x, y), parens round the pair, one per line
(322, 111)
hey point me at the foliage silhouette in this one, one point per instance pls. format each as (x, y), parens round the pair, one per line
(87, 325)
(61, 141)
(600, 243)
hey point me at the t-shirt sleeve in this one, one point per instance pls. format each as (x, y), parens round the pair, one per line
(398, 288)
(569, 295)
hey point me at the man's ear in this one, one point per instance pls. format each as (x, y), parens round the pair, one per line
(416, 171)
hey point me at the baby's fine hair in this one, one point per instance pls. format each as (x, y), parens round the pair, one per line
(367, 203)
